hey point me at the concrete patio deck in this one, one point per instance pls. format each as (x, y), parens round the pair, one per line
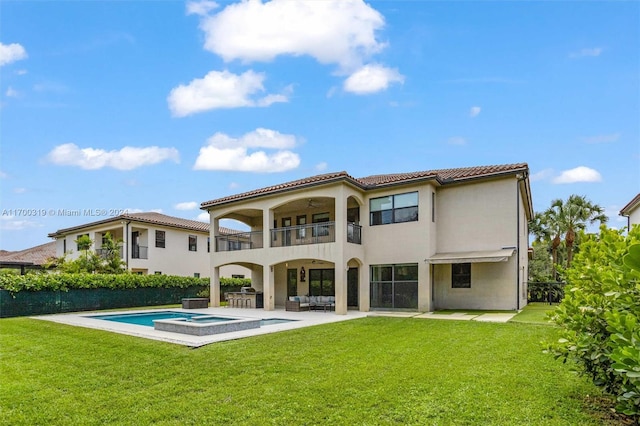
(301, 319)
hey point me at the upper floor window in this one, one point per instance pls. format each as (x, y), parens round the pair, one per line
(394, 209)
(208, 244)
(83, 242)
(160, 239)
(320, 230)
(193, 243)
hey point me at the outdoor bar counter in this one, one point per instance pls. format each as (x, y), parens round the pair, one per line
(245, 299)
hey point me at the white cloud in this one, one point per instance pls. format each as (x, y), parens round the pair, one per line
(19, 190)
(201, 8)
(221, 90)
(541, 175)
(127, 158)
(223, 152)
(234, 185)
(3, 175)
(595, 51)
(457, 140)
(203, 217)
(331, 31)
(579, 174)
(136, 210)
(474, 111)
(603, 138)
(187, 205)
(12, 93)
(10, 223)
(321, 166)
(11, 53)
(372, 78)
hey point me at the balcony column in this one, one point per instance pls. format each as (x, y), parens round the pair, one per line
(339, 261)
(214, 228)
(268, 287)
(267, 223)
(214, 287)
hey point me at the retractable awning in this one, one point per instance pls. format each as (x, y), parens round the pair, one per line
(501, 255)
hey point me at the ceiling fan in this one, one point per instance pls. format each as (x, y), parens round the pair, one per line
(312, 204)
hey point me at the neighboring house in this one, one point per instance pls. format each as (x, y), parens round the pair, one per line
(439, 239)
(632, 212)
(28, 259)
(152, 243)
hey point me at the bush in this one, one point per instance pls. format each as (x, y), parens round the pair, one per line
(600, 315)
(66, 281)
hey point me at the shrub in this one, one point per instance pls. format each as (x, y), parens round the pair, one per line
(600, 315)
(66, 281)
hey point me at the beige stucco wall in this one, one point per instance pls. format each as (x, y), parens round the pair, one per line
(174, 259)
(482, 215)
(634, 217)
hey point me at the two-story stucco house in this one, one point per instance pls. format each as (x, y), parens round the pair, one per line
(152, 243)
(632, 212)
(439, 239)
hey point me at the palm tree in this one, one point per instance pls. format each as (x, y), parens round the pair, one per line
(553, 220)
(567, 217)
(578, 213)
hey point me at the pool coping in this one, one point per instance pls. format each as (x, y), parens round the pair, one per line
(302, 319)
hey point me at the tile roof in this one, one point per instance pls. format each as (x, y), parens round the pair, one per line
(37, 255)
(443, 176)
(148, 217)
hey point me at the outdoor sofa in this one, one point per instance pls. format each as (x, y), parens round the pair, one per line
(305, 303)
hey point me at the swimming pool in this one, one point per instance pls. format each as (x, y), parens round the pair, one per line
(196, 324)
(147, 318)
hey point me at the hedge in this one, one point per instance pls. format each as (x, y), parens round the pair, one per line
(65, 281)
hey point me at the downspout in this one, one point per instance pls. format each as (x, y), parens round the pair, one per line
(520, 178)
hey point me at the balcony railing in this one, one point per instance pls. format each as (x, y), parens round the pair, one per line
(314, 233)
(139, 252)
(239, 241)
(104, 253)
(354, 233)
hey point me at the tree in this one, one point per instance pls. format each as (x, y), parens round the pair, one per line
(113, 263)
(562, 221)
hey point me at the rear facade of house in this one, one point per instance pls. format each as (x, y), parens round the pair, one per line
(439, 239)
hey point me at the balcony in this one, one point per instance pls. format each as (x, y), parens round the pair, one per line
(139, 252)
(354, 233)
(315, 233)
(239, 241)
(104, 253)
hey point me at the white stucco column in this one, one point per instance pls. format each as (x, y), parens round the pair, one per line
(364, 289)
(424, 286)
(340, 263)
(267, 222)
(268, 287)
(341, 286)
(214, 287)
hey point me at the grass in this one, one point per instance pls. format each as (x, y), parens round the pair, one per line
(534, 313)
(370, 371)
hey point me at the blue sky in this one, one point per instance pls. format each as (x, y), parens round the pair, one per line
(159, 106)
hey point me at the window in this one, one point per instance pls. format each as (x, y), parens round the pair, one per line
(301, 232)
(160, 239)
(196, 274)
(64, 246)
(158, 272)
(461, 275)
(82, 245)
(208, 244)
(193, 243)
(394, 209)
(433, 207)
(322, 282)
(394, 286)
(320, 230)
(237, 276)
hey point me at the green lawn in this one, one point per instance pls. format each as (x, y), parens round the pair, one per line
(535, 313)
(370, 371)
